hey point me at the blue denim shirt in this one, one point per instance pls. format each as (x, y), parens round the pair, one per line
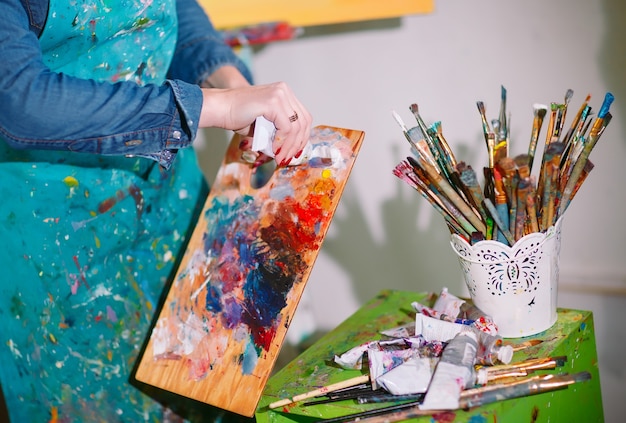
(40, 109)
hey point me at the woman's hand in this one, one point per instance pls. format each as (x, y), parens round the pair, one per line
(237, 108)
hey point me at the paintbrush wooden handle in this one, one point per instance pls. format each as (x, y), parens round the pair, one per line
(321, 391)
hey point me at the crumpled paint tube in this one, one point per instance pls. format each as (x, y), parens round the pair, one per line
(431, 312)
(448, 304)
(481, 320)
(263, 137)
(454, 372)
(404, 331)
(382, 361)
(411, 377)
(491, 350)
(353, 358)
(436, 330)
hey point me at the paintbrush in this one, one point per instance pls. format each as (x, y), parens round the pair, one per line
(473, 190)
(523, 345)
(387, 397)
(483, 117)
(549, 138)
(351, 393)
(509, 239)
(502, 208)
(426, 133)
(531, 209)
(550, 192)
(575, 122)
(585, 172)
(363, 415)
(520, 215)
(539, 112)
(508, 170)
(487, 395)
(450, 159)
(320, 391)
(600, 123)
(562, 112)
(533, 386)
(573, 182)
(489, 189)
(405, 130)
(575, 144)
(523, 168)
(443, 185)
(411, 172)
(455, 221)
(544, 363)
(502, 146)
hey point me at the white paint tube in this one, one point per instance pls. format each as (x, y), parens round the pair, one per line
(491, 349)
(381, 362)
(454, 372)
(410, 377)
(436, 330)
(263, 137)
(448, 304)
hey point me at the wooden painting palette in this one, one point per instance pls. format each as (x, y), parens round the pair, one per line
(241, 277)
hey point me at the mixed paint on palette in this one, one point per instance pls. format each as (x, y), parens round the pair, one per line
(243, 272)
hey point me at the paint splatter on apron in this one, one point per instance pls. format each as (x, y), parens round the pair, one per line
(88, 242)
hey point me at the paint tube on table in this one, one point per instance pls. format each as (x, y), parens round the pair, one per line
(410, 377)
(425, 348)
(491, 349)
(431, 312)
(436, 330)
(353, 358)
(404, 331)
(448, 304)
(382, 361)
(454, 372)
(482, 321)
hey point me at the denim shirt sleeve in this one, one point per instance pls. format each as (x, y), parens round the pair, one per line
(40, 109)
(200, 47)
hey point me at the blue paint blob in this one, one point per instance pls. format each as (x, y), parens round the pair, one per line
(249, 359)
(477, 419)
(213, 303)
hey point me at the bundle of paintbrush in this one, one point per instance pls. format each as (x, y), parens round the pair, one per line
(512, 202)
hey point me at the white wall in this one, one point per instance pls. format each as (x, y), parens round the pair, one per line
(385, 235)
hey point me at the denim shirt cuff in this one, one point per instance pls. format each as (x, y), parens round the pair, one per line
(188, 98)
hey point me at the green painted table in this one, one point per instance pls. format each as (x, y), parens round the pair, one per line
(572, 335)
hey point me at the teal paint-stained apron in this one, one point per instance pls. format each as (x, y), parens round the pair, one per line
(88, 241)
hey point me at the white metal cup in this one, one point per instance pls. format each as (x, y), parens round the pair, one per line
(516, 286)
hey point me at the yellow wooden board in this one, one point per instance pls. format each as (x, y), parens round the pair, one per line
(237, 13)
(241, 277)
